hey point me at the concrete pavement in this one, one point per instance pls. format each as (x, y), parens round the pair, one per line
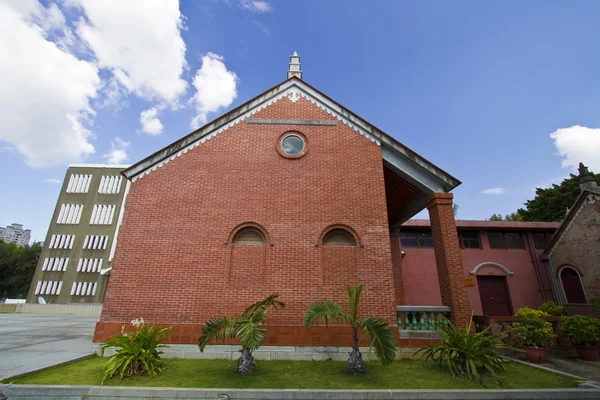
(29, 342)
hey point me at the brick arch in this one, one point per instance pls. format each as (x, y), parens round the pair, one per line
(346, 228)
(245, 225)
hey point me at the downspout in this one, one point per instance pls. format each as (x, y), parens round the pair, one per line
(536, 265)
(554, 282)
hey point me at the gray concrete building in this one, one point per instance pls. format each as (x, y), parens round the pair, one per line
(15, 233)
(80, 243)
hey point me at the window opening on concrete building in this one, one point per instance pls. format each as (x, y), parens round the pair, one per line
(469, 240)
(249, 236)
(110, 184)
(421, 239)
(339, 237)
(69, 214)
(102, 214)
(79, 183)
(506, 240)
(571, 283)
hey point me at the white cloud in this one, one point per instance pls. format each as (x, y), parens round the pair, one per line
(257, 6)
(52, 180)
(216, 87)
(45, 94)
(150, 122)
(493, 191)
(140, 42)
(117, 153)
(578, 144)
(262, 27)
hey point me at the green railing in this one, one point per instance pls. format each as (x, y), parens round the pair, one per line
(421, 318)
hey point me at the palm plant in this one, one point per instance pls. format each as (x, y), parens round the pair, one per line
(381, 337)
(247, 328)
(465, 354)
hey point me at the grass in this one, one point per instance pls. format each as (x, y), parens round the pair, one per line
(185, 373)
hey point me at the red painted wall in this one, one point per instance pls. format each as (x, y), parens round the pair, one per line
(420, 279)
(173, 264)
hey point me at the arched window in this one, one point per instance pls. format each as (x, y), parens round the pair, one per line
(339, 237)
(249, 236)
(571, 282)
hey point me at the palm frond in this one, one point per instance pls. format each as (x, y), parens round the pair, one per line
(354, 293)
(324, 311)
(270, 301)
(217, 328)
(250, 332)
(381, 338)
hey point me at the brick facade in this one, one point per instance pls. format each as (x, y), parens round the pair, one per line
(448, 257)
(175, 264)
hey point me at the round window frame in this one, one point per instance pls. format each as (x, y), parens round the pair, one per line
(282, 153)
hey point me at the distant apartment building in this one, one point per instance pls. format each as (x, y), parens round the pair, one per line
(81, 239)
(15, 233)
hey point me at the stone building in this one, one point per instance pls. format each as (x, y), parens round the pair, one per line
(81, 239)
(573, 254)
(15, 233)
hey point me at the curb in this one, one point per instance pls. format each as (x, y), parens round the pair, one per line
(27, 392)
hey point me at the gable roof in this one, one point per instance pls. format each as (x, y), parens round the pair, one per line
(417, 170)
(587, 196)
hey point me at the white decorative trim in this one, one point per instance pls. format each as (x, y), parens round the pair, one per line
(591, 199)
(293, 93)
(122, 166)
(491, 264)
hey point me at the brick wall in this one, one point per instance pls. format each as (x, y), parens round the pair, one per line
(174, 263)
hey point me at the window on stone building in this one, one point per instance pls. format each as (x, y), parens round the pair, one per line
(506, 240)
(421, 239)
(541, 240)
(249, 236)
(469, 240)
(338, 237)
(572, 286)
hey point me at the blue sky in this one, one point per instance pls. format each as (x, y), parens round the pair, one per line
(502, 95)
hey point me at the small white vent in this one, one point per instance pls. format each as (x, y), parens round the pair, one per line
(48, 287)
(69, 214)
(89, 265)
(61, 242)
(95, 242)
(55, 264)
(79, 183)
(83, 288)
(102, 214)
(110, 184)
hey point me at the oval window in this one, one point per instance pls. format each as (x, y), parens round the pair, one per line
(292, 145)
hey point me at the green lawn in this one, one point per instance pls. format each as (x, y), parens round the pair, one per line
(405, 374)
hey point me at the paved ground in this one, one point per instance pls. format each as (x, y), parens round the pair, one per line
(29, 341)
(567, 361)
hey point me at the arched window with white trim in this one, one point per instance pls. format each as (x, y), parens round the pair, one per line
(572, 286)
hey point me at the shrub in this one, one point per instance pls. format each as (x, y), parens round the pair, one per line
(136, 351)
(527, 312)
(553, 309)
(466, 354)
(581, 330)
(534, 332)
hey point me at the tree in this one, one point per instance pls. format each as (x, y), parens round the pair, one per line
(381, 337)
(247, 328)
(551, 204)
(17, 266)
(507, 217)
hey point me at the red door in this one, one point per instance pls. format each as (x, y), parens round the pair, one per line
(494, 296)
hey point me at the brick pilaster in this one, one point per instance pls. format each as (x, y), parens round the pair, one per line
(397, 266)
(448, 257)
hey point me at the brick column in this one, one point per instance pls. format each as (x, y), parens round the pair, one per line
(397, 266)
(448, 257)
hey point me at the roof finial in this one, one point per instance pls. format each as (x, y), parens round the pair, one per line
(295, 69)
(586, 179)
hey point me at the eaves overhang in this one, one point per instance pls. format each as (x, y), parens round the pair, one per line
(423, 174)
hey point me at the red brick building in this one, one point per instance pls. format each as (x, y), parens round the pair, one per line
(289, 193)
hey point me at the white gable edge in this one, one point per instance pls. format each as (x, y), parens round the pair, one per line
(293, 90)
